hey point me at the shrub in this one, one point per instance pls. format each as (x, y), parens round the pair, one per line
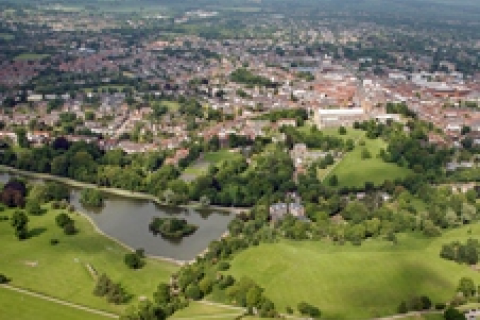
(134, 260)
(193, 292)
(223, 265)
(69, 229)
(62, 220)
(440, 306)
(309, 310)
(54, 242)
(3, 279)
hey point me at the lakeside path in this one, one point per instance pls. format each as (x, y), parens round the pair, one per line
(113, 191)
(58, 301)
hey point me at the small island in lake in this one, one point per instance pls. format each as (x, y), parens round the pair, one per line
(172, 227)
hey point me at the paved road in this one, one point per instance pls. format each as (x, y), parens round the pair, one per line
(65, 303)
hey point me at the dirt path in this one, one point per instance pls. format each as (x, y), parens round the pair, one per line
(58, 301)
(409, 314)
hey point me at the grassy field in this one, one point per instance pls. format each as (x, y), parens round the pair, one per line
(353, 171)
(348, 282)
(31, 56)
(60, 271)
(197, 309)
(353, 134)
(19, 306)
(210, 158)
(171, 105)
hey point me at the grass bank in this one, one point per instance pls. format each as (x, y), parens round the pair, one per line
(349, 282)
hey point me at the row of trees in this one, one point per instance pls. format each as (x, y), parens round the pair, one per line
(461, 253)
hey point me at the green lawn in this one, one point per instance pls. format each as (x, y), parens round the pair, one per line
(197, 309)
(19, 306)
(219, 156)
(171, 105)
(353, 171)
(353, 134)
(201, 166)
(31, 56)
(60, 271)
(348, 282)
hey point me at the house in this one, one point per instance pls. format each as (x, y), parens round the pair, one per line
(278, 211)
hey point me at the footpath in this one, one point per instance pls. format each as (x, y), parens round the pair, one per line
(62, 302)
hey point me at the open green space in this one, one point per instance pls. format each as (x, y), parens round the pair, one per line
(61, 270)
(171, 105)
(198, 309)
(19, 306)
(210, 158)
(352, 133)
(353, 171)
(31, 56)
(356, 282)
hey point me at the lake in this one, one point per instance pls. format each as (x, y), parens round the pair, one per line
(127, 220)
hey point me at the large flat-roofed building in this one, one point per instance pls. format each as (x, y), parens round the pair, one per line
(325, 118)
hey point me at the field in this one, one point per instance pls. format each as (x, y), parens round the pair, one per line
(61, 271)
(210, 158)
(349, 282)
(19, 306)
(31, 56)
(353, 171)
(201, 310)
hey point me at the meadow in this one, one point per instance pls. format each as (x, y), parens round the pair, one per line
(353, 171)
(209, 158)
(202, 310)
(355, 282)
(61, 270)
(19, 306)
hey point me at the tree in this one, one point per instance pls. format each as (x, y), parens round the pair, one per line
(33, 207)
(309, 310)
(22, 137)
(467, 287)
(19, 223)
(333, 180)
(254, 294)
(366, 154)
(91, 197)
(3, 279)
(69, 229)
(453, 314)
(133, 260)
(102, 286)
(193, 292)
(62, 219)
(342, 130)
(402, 307)
(162, 295)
